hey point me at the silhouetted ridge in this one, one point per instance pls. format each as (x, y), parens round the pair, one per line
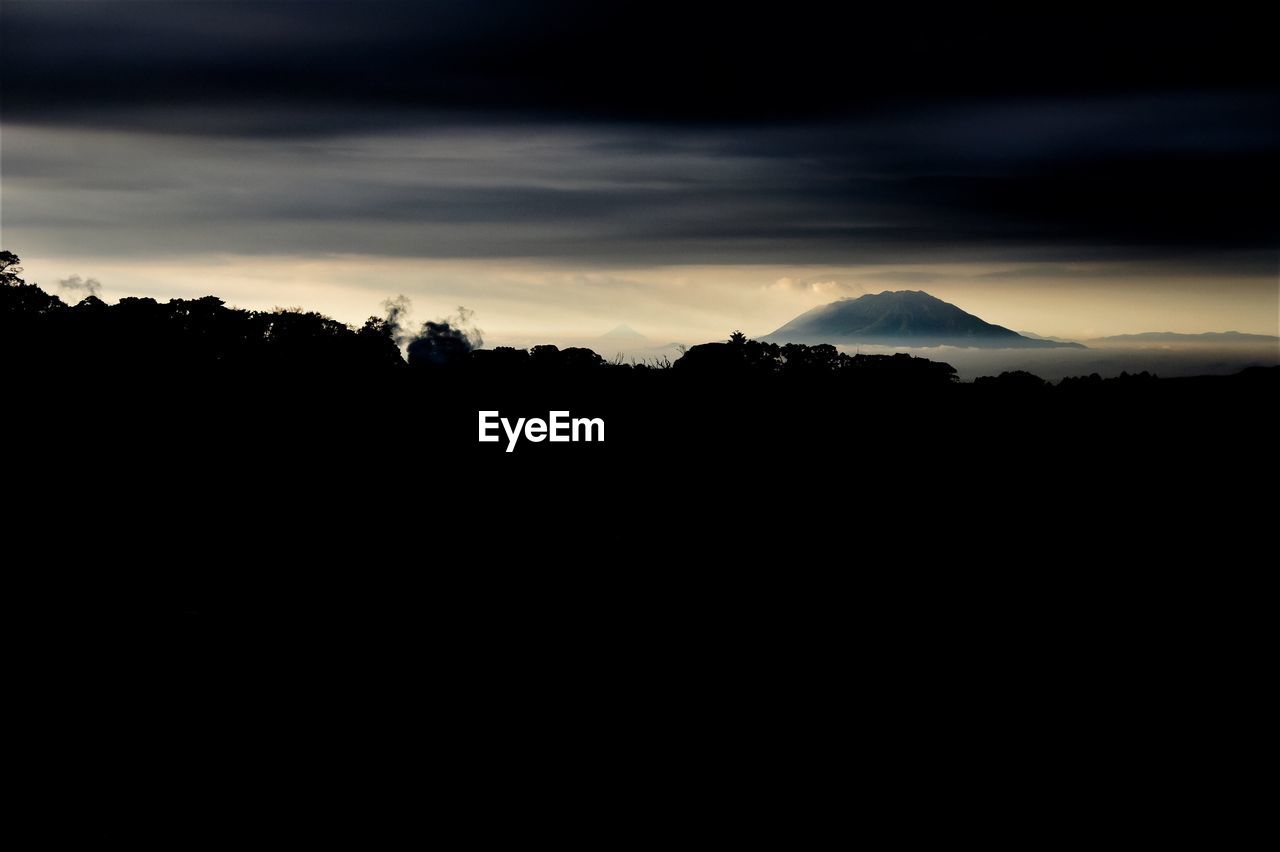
(902, 318)
(746, 357)
(1217, 337)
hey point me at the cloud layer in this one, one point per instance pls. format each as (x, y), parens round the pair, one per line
(640, 135)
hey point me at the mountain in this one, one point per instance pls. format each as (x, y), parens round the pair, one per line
(1215, 337)
(903, 318)
(622, 330)
(624, 334)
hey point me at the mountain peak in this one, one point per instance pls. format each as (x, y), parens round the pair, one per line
(622, 330)
(901, 318)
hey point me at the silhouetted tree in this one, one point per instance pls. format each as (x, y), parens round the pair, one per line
(723, 359)
(500, 359)
(439, 345)
(1013, 380)
(578, 358)
(9, 269)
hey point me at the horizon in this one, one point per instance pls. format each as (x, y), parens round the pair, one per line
(1037, 313)
(1108, 358)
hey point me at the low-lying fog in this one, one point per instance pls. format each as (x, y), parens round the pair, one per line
(1167, 360)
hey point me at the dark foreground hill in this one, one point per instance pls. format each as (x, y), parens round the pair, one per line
(903, 318)
(269, 457)
(235, 534)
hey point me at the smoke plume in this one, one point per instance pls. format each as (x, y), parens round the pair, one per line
(75, 284)
(397, 310)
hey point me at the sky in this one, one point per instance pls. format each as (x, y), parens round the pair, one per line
(684, 168)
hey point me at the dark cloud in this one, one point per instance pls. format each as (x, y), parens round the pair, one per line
(651, 133)
(819, 193)
(665, 61)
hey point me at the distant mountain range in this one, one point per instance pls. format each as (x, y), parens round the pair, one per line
(1228, 337)
(903, 318)
(1035, 336)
